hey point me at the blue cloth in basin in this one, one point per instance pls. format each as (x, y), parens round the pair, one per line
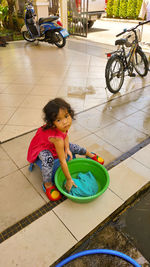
(86, 185)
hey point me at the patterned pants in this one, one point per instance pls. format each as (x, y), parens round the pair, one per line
(48, 161)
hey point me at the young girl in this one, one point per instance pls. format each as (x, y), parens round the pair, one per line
(51, 141)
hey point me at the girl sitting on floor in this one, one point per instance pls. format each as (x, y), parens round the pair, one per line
(51, 141)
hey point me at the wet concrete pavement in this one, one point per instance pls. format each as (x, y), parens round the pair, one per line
(104, 31)
(129, 234)
(108, 238)
(135, 223)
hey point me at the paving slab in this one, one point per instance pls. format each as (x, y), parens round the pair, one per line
(76, 73)
(39, 244)
(106, 129)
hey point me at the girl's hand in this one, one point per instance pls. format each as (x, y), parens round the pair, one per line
(69, 184)
(68, 153)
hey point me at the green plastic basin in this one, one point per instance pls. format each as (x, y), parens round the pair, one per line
(83, 165)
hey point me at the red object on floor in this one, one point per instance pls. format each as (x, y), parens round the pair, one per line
(52, 193)
(98, 159)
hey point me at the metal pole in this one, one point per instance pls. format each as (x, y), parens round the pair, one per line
(63, 13)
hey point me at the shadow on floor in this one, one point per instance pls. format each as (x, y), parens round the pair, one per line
(97, 30)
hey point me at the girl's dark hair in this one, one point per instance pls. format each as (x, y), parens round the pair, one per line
(51, 111)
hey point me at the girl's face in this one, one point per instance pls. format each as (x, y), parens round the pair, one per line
(63, 120)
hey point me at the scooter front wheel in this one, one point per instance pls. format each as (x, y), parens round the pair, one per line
(27, 37)
(59, 40)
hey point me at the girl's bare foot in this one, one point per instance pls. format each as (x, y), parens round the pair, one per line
(88, 154)
(95, 157)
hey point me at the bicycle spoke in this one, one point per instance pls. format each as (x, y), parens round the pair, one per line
(140, 63)
(118, 63)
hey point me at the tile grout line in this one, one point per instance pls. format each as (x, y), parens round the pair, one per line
(126, 123)
(128, 154)
(116, 194)
(80, 112)
(65, 226)
(10, 231)
(111, 218)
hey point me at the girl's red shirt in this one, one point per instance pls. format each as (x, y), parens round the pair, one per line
(41, 142)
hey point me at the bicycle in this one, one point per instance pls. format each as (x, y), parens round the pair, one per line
(126, 58)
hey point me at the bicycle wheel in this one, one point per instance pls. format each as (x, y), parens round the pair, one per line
(140, 63)
(114, 74)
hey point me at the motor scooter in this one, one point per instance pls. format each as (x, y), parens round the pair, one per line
(47, 29)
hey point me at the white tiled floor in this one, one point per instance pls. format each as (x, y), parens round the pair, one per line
(80, 219)
(39, 244)
(143, 156)
(109, 129)
(6, 164)
(121, 135)
(69, 222)
(32, 74)
(18, 199)
(128, 177)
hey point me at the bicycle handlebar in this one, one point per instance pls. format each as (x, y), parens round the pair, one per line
(125, 30)
(133, 28)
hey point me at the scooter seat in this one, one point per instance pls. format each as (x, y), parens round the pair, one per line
(48, 19)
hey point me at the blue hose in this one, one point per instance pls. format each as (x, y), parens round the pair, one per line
(99, 251)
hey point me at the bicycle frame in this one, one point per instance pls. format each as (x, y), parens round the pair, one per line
(131, 53)
(128, 57)
(133, 48)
